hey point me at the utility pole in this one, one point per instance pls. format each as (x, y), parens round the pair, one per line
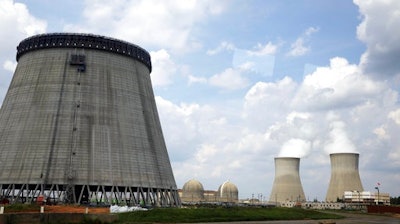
(377, 188)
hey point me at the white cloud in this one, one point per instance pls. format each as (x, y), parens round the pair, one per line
(337, 86)
(270, 92)
(310, 31)
(16, 24)
(194, 79)
(222, 47)
(261, 50)
(261, 59)
(9, 65)
(189, 124)
(298, 48)
(166, 24)
(229, 79)
(206, 152)
(291, 118)
(16, 20)
(163, 68)
(395, 116)
(381, 133)
(268, 98)
(378, 30)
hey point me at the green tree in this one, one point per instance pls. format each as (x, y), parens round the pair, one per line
(395, 200)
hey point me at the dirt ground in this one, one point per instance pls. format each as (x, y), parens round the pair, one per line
(66, 209)
(75, 209)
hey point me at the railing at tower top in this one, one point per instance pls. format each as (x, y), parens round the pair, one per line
(84, 41)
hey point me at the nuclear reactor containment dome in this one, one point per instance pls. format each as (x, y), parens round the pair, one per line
(79, 123)
(287, 184)
(228, 192)
(192, 191)
(344, 175)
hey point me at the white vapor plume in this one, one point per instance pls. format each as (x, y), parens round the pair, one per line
(295, 147)
(338, 140)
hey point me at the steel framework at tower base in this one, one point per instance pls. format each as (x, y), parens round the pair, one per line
(89, 194)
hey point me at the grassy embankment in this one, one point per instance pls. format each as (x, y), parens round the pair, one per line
(191, 215)
(203, 214)
(21, 208)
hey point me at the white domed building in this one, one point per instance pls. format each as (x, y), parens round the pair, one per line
(228, 192)
(192, 191)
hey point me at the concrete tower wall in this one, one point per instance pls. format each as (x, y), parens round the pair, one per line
(344, 175)
(287, 184)
(80, 113)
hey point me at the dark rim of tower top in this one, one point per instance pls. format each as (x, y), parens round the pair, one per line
(87, 41)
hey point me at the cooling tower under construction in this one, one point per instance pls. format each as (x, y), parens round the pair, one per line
(79, 124)
(287, 184)
(344, 175)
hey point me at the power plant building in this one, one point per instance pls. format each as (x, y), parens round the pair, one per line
(287, 185)
(228, 192)
(193, 192)
(79, 123)
(344, 176)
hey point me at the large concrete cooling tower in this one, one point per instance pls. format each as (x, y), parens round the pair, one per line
(344, 175)
(79, 123)
(287, 184)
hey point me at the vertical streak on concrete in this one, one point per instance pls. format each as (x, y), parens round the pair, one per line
(55, 130)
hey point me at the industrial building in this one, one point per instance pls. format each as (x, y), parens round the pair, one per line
(366, 197)
(345, 188)
(287, 185)
(344, 175)
(228, 192)
(79, 124)
(193, 192)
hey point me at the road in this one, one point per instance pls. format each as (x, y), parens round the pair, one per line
(350, 219)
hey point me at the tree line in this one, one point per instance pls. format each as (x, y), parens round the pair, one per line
(395, 200)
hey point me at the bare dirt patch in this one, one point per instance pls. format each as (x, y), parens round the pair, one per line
(76, 209)
(61, 209)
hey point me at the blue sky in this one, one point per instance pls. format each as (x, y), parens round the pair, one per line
(238, 83)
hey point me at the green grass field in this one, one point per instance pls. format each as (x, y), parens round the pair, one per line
(220, 214)
(18, 207)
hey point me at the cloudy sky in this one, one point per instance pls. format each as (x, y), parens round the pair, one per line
(238, 83)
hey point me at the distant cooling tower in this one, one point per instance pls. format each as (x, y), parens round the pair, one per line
(287, 184)
(344, 175)
(79, 123)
